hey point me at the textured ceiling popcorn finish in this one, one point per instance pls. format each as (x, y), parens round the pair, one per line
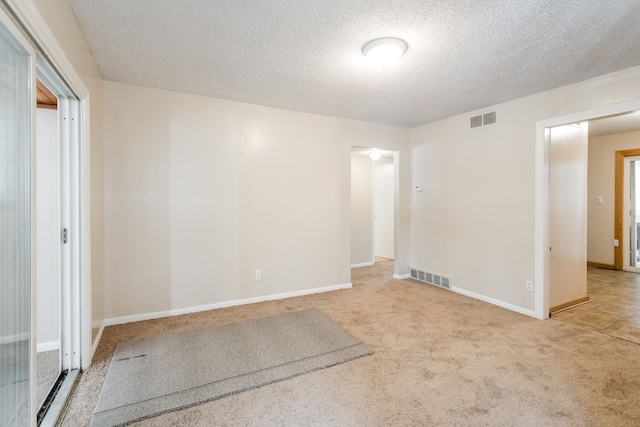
(307, 55)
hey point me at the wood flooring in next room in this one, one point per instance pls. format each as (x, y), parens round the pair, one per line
(613, 307)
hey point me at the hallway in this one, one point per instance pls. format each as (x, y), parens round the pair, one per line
(613, 307)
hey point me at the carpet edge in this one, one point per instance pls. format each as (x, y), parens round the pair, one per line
(124, 414)
(365, 352)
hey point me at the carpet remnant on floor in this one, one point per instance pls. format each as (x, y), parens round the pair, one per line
(152, 376)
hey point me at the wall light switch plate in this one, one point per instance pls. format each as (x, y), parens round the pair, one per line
(599, 200)
(418, 188)
(258, 274)
(616, 243)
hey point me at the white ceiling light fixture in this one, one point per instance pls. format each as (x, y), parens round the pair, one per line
(384, 51)
(375, 154)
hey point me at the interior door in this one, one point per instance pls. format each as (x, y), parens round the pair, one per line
(384, 210)
(568, 148)
(17, 109)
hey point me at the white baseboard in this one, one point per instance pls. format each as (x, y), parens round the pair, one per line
(195, 309)
(48, 346)
(96, 341)
(364, 264)
(402, 276)
(499, 303)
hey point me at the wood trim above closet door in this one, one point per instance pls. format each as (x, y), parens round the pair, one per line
(45, 98)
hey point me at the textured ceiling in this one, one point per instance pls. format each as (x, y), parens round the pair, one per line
(629, 122)
(305, 55)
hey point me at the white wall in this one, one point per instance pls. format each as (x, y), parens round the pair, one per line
(475, 218)
(477, 208)
(48, 228)
(601, 217)
(201, 192)
(61, 20)
(361, 210)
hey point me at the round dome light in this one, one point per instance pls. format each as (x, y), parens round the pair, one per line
(375, 154)
(384, 51)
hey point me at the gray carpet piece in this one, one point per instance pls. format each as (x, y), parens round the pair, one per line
(174, 371)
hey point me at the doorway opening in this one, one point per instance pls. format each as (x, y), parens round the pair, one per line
(374, 207)
(543, 234)
(48, 278)
(629, 215)
(59, 314)
(633, 229)
(627, 203)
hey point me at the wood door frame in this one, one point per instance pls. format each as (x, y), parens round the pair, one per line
(619, 205)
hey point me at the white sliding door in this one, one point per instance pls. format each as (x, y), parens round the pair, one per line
(17, 109)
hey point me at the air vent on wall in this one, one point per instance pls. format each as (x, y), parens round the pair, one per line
(483, 120)
(488, 119)
(431, 278)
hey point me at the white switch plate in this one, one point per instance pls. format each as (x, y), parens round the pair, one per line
(599, 200)
(258, 274)
(616, 243)
(418, 188)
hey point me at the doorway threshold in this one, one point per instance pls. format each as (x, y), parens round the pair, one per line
(57, 406)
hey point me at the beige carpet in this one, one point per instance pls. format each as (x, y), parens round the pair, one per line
(439, 359)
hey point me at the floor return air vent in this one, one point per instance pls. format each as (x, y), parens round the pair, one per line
(431, 278)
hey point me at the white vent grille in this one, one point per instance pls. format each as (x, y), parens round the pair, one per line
(488, 119)
(483, 120)
(431, 278)
(445, 283)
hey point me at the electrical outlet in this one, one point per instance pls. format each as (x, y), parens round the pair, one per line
(258, 274)
(529, 285)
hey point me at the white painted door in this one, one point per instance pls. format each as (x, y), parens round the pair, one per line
(17, 108)
(568, 213)
(384, 214)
